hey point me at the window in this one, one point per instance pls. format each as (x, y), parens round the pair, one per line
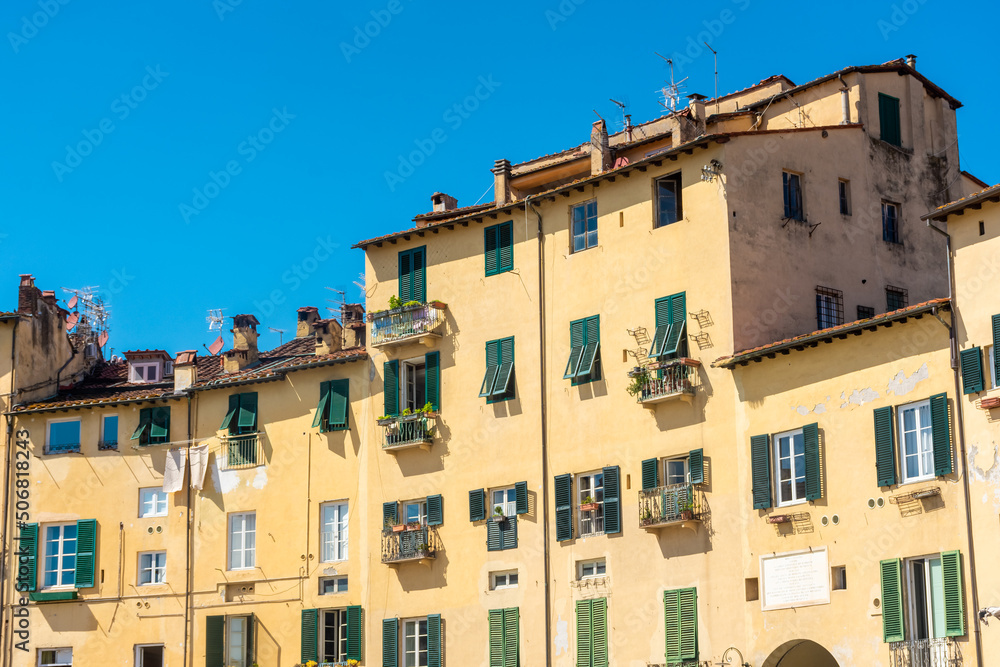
(415, 512)
(916, 451)
(505, 500)
(585, 348)
(925, 590)
(501, 580)
(229, 641)
(916, 439)
(415, 643)
(669, 338)
(414, 384)
(499, 248)
(790, 467)
(888, 119)
(498, 382)
(584, 221)
(333, 636)
(896, 297)
(592, 633)
(154, 426)
(241, 418)
(237, 641)
(844, 194)
(838, 573)
(829, 307)
(993, 366)
(590, 494)
(109, 432)
(60, 555)
(675, 471)
(668, 200)
(152, 502)
(504, 637)
(55, 657)
(149, 656)
(412, 278)
(145, 372)
(332, 585)
(242, 541)
(792, 186)
(331, 413)
(152, 568)
(334, 532)
(890, 222)
(63, 436)
(591, 568)
(865, 312)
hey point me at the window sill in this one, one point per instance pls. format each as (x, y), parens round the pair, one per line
(54, 595)
(791, 503)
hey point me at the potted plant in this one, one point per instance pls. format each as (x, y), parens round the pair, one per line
(386, 420)
(394, 525)
(394, 302)
(639, 382)
(413, 525)
(647, 516)
(588, 504)
(409, 415)
(428, 410)
(498, 515)
(423, 550)
(687, 510)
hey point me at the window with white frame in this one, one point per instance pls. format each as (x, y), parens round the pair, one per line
(583, 224)
(590, 490)
(152, 502)
(332, 585)
(925, 596)
(334, 531)
(333, 636)
(242, 541)
(414, 644)
(501, 580)
(150, 655)
(55, 657)
(413, 384)
(236, 641)
(506, 500)
(916, 442)
(145, 372)
(59, 555)
(675, 471)
(993, 366)
(588, 569)
(109, 432)
(415, 512)
(63, 436)
(152, 568)
(790, 467)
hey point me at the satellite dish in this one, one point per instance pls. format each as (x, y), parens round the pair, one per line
(102, 339)
(72, 302)
(215, 347)
(72, 320)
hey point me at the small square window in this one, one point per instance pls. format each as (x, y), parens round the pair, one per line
(583, 225)
(55, 657)
(332, 585)
(145, 372)
(152, 502)
(152, 568)
(588, 569)
(839, 575)
(63, 436)
(501, 580)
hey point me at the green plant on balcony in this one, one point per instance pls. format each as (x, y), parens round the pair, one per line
(423, 549)
(687, 509)
(394, 302)
(411, 303)
(638, 383)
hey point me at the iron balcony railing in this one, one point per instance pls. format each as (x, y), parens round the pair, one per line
(64, 448)
(408, 544)
(408, 431)
(667, 379)
(665, 505)
(390, 327)
(243, 451)
(942, 652)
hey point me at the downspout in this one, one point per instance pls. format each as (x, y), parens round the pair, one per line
(188, 624)
(960, 424)
(7, 546)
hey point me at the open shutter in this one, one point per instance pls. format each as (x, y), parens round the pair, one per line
(810, 437)
(389, 513)
(234, 406)
(892, 601)
(159, 426)
(86, 548)
(339, 399)
(521, 497)
(672, 625)
(511, 637)
(432, 379)
(419, 275)
(506, 370)
(786, 193)
(491, 241)
(390, 647)
(564, 508)
(592, 346)
(494, 540)
(496, 638)
(650, 474)
(584, 628)
(215, 641)
(612, 501)
(324, 400)
(577, 331)
(405, 276)
(673, 339)
(145, 417)
(941, 434)
(477, 505)
(248, 411)
(355, 633)
(435, 510)
(27, 557)
(492, 368)
(508, 533)
(506, 247)
(434, 640)
(599, 632)
(885, 447)
(310, 635)
(760, 462)
(972, 370)
(688, 616)
(390, 391)
(696, 466)
(954, 604)
(996, 346)
(659, 336)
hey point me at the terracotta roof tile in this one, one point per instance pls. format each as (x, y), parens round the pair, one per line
(942, 212)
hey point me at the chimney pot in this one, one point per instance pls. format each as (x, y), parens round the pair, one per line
(244, 352)
(26, 294)
(501, 182)
(911, 60)
(329, 336)
(443, 202)
(307, 315)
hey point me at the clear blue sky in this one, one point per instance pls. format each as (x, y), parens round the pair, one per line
(299, 119)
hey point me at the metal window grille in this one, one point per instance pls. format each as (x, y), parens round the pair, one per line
(865, 312)
(896, 298)
(829, 307)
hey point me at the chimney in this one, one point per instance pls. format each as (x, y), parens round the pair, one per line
(244, 352)
(911, 60)
(26, 294)
(329, 336)
(600, 148)
(443, 202)
(307, 315)
(352, 316)
(185, 370)
(696, 104)
(501, 182)
(49, 297)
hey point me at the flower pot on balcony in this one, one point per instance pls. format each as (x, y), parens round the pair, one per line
(587, 507)
(498, 518)
(687, 515)
(440, 305)
(413, 526)
(411, 417)
(398, 529)
(386, 422)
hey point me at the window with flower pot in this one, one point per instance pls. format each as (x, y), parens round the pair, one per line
(332, 635)
(590, 498)
(427, 511)
(595, 503)
(500, 508)
(412, 385)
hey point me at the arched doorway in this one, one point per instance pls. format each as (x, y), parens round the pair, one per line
(800, 653)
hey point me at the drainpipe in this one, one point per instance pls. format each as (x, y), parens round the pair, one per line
(960, 424)
(7, 546)
(189, 528)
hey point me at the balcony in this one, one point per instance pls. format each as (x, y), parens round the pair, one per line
(665, 380)
(408, 432)
(674, 505)
(402, 544)
(942, 652)
(409, 324)
(243, 451)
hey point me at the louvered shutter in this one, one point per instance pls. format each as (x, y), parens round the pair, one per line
(432, 379)
(434, 640)
(688, 617)
(672, 626)
(248, 411)
(435, 510)
(27, 558)
(248, 648)
(389, 512)
(310, 635)
(477, 505)
(159, 425)
(577, 331)
(672, 340)
(339, 400)
(971, 362)
(760, 463)
(506, 247)
(954, 604)
(564, 507)
(599, 632)
(584, 629)
(419, 275)
(492, 368)
(491, 240)
(696, 466)
(786, 193)
(506, 370)
(885, 447)
(145, 418)
(893, 629)
(612, 501)
(511, 637)
(234, 407)
(650, 474)
(521, 497)
(496, 638)
(508, 533)
(324, 401)
(390, 647)
(810, 437)
(996, 346)
(215, 641)
(591, 348)
(390, 392)
(889, 125)
(86, 550)
(405, 276)
(941, 434)
(355, 633)
(494, 540)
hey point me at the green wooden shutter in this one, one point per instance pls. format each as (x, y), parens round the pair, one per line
(27, 557)
(310, 635)
(577, 337)
(248, 650)
(405, 276)
(810, 436)
(492, 368)
(508, 533)
(496, 638)
(972, 370)
(672, 625)
(688, 615)
(355, 633)
(760, 463)
(885, 447)
(893, 629)
(599, 632)
(591, 348)
(434, 640)
(159, 425)
(390, 391)
(564, 508)
(145, 418)
(419, 275)
(696, 466)
(248, 411)
(511, 637)
(612, 501)
(521, 497)
(477, 505)
(996, 347)
(650, 474)
(888, 115)
(672, 340)
(494, 540)
(389, 512)
(941, 434)
(435, 510)
(432, 379)
(324, 400)
(506, 247)
(490, 243)
(215, 641)
(659, 336)
(954, 604)
(86, 550)
(390, 647)
(339, 400)
(506, 370)
(234, 407)
(584, 628)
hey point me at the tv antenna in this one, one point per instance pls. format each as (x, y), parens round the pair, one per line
(281, 335)
(92, 315)
(672, 91)
(215, 319)
(715, 54)
(626, 117)
(341, 302)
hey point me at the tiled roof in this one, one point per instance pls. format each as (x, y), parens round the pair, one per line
(975, 179)
(827, 335)
(451, 213)
(769, 80)
(958, 206)
(8, 316)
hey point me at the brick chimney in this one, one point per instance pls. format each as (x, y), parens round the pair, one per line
(443, 202)
(244, 352)
(600, 148)
(26, 294)
(185, 370)
(352, 315)
(329, 336)
(696, 103)
(307, 315)
(501, 183)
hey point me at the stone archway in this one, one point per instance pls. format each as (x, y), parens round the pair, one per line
(800, 653)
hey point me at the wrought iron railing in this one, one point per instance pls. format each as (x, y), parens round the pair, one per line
(941, 652)
(407, 431)
(669, 378)
(394, 326)
(243, 451)
(408, 544)
(670, 504)
(64, 448)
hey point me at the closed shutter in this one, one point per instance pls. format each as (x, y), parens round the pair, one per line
(696, 466)
(521, 497)
(888, 115)
(494, 540)
(435, 510)
(339, 400)
(688, 613)
(234, 407)
(650, 474)
(355, 633)
(941, 434)
(405, 276)
(491, 241)
(996, 346)
(672, 625)
(612, 501)
(492, 368)
(972, 370)
(885, 447)
(760, 463)
(577, 333)
(390, 391)
(248, 412)
(506, 247)
(511, 637)
(599, 632)
(810, 436)
(145, 418)
(310, 636)
(434, 640)
(496, 638)
(248, 650)
(564, 508)
(390, 647)
(954, 604)
(508, 533)
(477, 505)
(389, 513)
(27, 558)
(86, 549)
(324, 401)
(584, 628)
(215, 641)
(432, 379)
(892, 601)
(419, 292)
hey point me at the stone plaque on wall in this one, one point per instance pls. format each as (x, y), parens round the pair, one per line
(794, 579)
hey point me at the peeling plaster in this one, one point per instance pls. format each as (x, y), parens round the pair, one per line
(561, 641)
(819, 409)
(858, 397)
(225, 480)
(990, 476)
(902, 385)
(260, 479)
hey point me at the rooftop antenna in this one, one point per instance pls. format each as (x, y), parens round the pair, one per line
(672, 91)
(215, 319)
(281, 335)
(91, 315)
(627, 117)
(341, 302)
(361, 286)
(716, 56)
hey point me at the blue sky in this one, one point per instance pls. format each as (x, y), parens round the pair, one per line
(205, 154)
